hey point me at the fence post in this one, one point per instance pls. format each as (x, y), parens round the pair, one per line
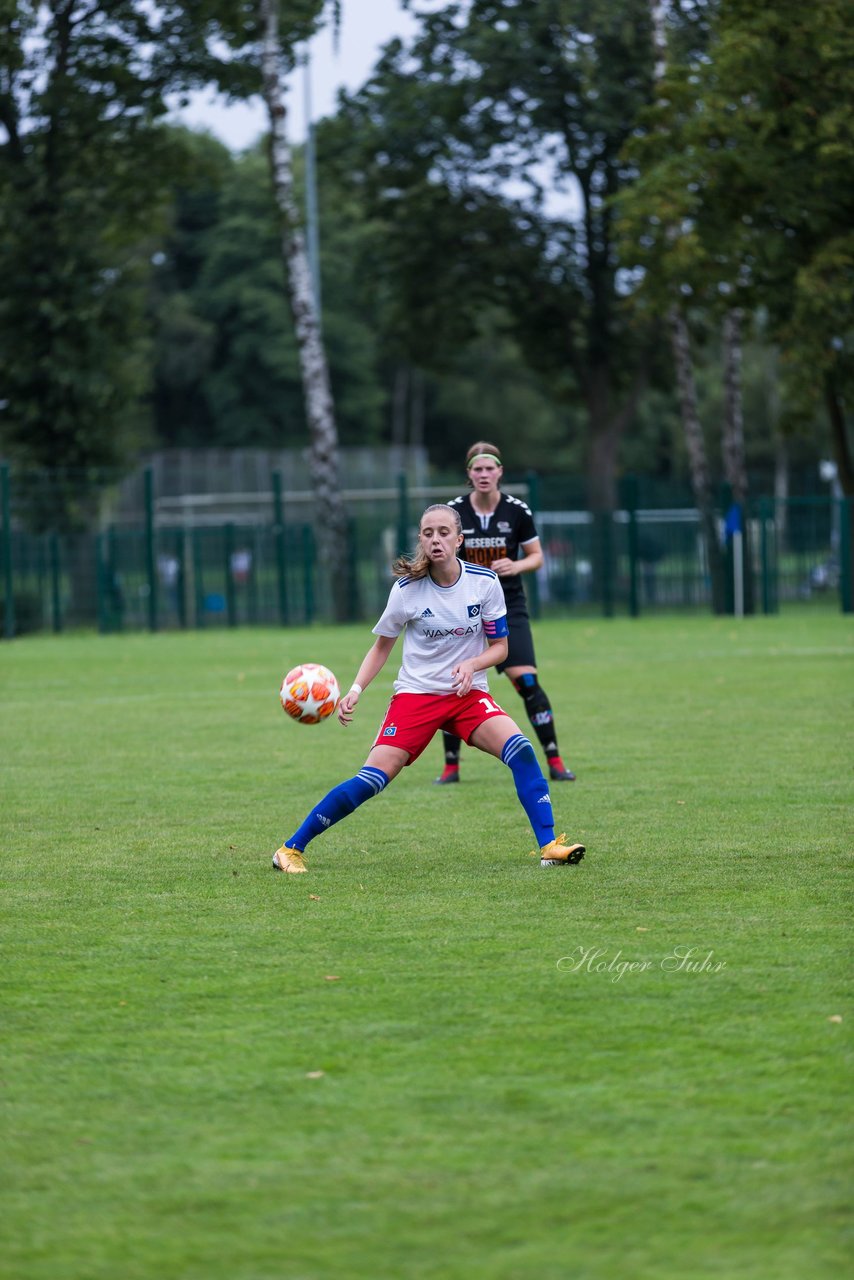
(279, 536)
(846, 561)
(765, 517)
(353, 554)
(630, 502)
(738, 539)
(150, 557)
(308, 571)
(101, 583)
(728, 593)
(6, 538)
(188, 579)
(55, 597)
(230, 597)
(603, 572)
(198, 577)
(533, 482)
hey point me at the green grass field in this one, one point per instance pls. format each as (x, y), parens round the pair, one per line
(427, 1058)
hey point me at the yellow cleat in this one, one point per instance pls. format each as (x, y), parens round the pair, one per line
(290, 860)
(558, 854)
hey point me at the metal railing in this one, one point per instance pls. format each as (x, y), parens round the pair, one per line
(204, 560)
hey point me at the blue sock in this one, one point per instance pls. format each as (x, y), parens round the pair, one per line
(531, 787)
(340, 801)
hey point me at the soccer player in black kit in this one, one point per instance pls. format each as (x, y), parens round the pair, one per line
(495, 527)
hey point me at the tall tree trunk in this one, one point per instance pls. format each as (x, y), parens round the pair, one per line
(845, 475)
(607, 426)
(323, 455)
(696, 446)
(735, 468)
(732, 443)
(602, 490)
(839, 435)
(419, 408)
(680, 342)
(400, 417)
(781, 489)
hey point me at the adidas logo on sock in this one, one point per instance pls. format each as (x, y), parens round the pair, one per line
(544, 800)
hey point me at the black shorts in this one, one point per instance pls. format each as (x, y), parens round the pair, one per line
(520, 642)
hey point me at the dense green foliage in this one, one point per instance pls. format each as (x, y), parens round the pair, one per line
(745, 193)
(379, 1069)
(85, 168)
(493, 206)
(461, 144)
(226, 370)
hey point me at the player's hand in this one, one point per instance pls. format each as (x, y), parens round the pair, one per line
(347, 706)
(505, 568)
(461, 677)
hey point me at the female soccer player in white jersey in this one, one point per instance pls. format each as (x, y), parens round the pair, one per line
(454, 623)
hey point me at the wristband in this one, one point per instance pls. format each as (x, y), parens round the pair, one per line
(355, 687)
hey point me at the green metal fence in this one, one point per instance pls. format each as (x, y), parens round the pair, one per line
(149, 569)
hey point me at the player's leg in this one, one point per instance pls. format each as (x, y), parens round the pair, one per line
(382, 765)
(541, 716)
(501, 737)
(520, 666)
(451, 748)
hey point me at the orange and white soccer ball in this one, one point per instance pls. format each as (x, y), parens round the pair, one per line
(310, 693)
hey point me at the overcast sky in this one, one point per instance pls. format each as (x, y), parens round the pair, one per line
(366, 26)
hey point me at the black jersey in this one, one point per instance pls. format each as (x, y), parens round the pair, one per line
(494, 537)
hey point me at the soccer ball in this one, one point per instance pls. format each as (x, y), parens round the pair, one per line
(309, 693)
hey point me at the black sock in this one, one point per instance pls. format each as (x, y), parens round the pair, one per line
(451, 745)
(539, 711)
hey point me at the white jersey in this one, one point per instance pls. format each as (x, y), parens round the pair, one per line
(442, 626)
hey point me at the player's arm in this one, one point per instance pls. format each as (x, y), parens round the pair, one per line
(495, 634)
(372, 664)
(531, 559)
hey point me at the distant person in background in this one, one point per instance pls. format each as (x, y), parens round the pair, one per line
(241, 565)
(169, 569)
(495, 528)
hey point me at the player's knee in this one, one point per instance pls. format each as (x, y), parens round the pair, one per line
(535, 699)
(528, 686)
(517, 751)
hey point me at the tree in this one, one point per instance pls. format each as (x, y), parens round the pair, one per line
(323, 457)
(226, 370)
(184, 331)
(746, 191)
(83, 161)
(458, 139)
(680, 343)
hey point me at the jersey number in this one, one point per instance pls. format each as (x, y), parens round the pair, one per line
(489, 704)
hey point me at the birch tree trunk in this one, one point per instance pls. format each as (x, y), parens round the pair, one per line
(323, 454)
(696, 446)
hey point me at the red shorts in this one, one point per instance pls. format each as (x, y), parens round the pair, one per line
(413, 719)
